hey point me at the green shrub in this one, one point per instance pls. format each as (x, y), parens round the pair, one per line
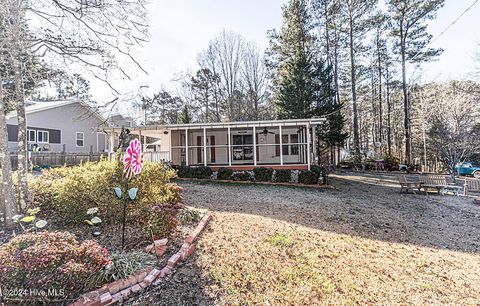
(201, 172)
(67, 193)
(224, 173)
(242, 176)
(391, 163)
(50, 260)
(283, 176)
(321, 172)
(263, 174)
(308, 177)
(184, 171)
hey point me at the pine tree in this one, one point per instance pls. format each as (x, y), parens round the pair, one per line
(185, 115)
(409, 28)
(297, 89)
(291, 61)
(331, 134)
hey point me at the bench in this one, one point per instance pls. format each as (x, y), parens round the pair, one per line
(471, 185)
(441, 183)
(406, 185)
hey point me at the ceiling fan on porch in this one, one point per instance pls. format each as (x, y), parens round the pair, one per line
(266, 131)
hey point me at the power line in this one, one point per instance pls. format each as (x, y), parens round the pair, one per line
(449, 26)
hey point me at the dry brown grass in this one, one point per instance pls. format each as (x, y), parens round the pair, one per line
(361, 244)
(316, 267)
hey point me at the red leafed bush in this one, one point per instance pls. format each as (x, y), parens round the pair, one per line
(50, 261)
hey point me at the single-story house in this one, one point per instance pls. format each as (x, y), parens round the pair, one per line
(241, 145)
(56, 126)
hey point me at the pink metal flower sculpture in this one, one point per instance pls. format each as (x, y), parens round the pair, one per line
(133, 159)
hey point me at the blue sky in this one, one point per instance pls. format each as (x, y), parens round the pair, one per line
(181, 29)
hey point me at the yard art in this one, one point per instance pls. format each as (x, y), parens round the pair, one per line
(133, 164)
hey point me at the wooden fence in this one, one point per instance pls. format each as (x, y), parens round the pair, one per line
(57, 158)
(71, 159)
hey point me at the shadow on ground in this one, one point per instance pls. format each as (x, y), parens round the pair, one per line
(365, 205)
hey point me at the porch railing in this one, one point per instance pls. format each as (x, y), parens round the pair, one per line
(157, 157)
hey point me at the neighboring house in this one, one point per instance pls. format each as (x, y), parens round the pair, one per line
(242, 145)
(70, 125)
(118, 120)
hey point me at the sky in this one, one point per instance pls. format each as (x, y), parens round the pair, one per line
(181, 29)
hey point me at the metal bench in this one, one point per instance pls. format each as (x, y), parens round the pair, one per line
(441, 183)
(409, 185)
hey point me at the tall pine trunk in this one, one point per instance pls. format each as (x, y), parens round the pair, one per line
(380, 106)
(406, 107)
(8, 206)
(389, 112)
(356, 134)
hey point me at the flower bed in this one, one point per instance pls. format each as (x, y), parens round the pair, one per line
(316, 176)
(120, 290)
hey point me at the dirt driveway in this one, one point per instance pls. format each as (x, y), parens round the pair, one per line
(362, 243)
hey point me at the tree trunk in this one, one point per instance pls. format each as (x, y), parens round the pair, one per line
(356, 135)
(380, 106)
(22, 137)
(389, 111)
(406, 107)
(17, 53)
(8, 205)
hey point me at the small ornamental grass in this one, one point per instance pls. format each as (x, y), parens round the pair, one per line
(122, 266)
(50, 260)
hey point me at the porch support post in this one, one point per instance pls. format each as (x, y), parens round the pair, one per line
(186, 147)
(229, 146)
(314, 143)
(254, 146)
(281, 145)
(308, 145)
(170, 146)
(204, 146)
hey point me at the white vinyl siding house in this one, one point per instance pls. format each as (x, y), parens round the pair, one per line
(274, 143)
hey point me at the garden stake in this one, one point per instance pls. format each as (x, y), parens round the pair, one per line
(124, 212)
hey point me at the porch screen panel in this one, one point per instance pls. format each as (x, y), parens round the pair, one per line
(268, 145)
(294, 145)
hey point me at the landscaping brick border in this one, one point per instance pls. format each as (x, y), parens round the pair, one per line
(313, 186)
(119, 290)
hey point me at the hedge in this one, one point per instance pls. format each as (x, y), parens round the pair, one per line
(308, 177)
(224, 173)
(263, 174)
(282, 176)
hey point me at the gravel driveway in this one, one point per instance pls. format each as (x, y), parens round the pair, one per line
(363, 205)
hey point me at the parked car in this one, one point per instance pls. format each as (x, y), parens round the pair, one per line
(469, 168)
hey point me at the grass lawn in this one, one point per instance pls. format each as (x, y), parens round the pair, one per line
(361, 244)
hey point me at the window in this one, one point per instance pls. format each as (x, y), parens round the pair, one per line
(80, 139)
(285, 145)
(290, 146)
(42, 136)
(240, 151)
(31, 136)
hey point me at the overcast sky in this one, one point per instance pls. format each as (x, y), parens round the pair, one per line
(181, 29)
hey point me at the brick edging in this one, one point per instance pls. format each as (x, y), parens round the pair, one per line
(119, 290)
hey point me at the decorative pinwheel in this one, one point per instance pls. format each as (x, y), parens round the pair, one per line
(133, 159)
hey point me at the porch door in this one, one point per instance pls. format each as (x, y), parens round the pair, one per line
(212, 149)
(199, 150)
